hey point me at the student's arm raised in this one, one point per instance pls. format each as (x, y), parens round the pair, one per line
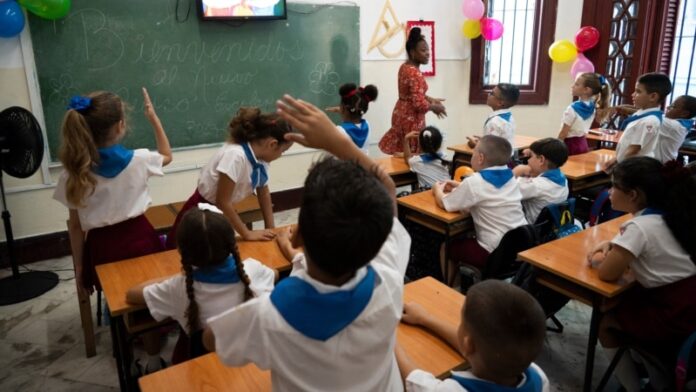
(317, 131)
(160, 137)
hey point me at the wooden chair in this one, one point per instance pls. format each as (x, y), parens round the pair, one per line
(85, 307)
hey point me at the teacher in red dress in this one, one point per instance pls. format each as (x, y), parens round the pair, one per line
(409, 111)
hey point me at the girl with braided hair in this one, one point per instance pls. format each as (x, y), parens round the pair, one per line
(430, 165)
(354, 103)
(214, 279)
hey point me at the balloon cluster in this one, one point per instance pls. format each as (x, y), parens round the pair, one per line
(12, 17)
(563, 50)
(475, 24)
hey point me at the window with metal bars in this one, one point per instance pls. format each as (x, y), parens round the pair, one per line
(519, 56)
(682, 64)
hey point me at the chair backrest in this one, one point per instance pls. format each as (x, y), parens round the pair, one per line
(557, 220)
(601, 210)
(502, 262)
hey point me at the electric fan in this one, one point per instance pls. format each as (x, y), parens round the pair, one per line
(21, 151)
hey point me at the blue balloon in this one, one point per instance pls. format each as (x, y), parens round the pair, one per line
(11, 19)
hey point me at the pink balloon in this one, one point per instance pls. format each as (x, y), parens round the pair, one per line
(580, 66)
(491, 29)
(473, 9)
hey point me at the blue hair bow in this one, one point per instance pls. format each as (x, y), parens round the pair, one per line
(79, 102)
(602, 80)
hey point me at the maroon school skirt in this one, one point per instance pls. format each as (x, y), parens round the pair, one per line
(576, 145)
(661, 314)
(190, 203)
(131, 238)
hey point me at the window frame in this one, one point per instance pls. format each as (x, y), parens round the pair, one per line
(537, 92)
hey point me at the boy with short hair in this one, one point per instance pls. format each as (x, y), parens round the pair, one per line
(677, 123)
(642, 128)
(491, 195)
(501, 333)
(500, 122)
(541, 180)
(331, 324)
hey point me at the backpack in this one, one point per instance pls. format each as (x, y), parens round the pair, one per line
(601, 210)
(563, 218)
(686, 368)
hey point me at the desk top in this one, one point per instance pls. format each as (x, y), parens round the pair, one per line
(393, 166)
(425, 350)
(586, 165)
(599, 135)
(424, 202)
(520, 143)
(247, 204)
(118, 277)
(567, 257)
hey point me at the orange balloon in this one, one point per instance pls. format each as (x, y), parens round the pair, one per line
(461, 172)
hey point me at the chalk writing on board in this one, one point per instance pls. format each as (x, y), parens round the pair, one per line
(95, 29)
(323, 79)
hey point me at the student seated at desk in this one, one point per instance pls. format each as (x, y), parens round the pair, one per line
(501, 332)
(500, 122)
(493, 197)
(239, 169)
(214, 279)
(430, 165)
(677, 123)
(642, 128)
(331, 324)
(541, 181)
(658, 247)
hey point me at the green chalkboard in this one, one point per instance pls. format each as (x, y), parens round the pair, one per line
(198, 73)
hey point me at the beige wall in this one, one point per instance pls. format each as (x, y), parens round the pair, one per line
(34, 212)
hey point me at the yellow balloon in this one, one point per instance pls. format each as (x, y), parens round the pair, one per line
(471, 28)
(563, 51)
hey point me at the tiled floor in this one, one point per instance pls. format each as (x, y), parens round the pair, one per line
(41, 343)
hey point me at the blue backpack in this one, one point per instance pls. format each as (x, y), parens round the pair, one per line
(564, 221)
(601, 210)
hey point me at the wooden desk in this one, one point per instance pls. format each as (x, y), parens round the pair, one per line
(127, 319)
(162, 216)
(563, 267)
(427, 351)
(421, 208)
(584, 171)
(599, 138)
(398, 170)
(463, 153)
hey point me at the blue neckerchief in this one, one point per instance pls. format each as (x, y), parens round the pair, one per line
(505, 116)
(112, 160)
(497, 178)
(225, 273)
(652, 211)
(357, 134)
(556, 176)
(321, 316)
(584, 109)
(425, 157)
(635, 117)
(688, 124)
(532, 383)
(259, 177)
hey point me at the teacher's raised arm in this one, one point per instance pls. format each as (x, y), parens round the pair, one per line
(412, 105)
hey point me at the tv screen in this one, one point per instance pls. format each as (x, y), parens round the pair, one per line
(241, 9)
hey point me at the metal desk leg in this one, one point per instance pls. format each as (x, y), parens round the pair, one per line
(592, 344)
(116, 339)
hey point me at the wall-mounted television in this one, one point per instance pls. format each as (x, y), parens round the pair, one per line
(241, 9)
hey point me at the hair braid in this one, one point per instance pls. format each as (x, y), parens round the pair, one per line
(242, 274)
(192, 310)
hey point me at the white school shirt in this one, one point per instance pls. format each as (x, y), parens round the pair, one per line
(359, 358)
(422, 381)
(537, 193)
(169, 299)
(116, 199)
(231, 161)
(670, 139)
(428, 173)
(366, 146)
(495, 211)
(578, 126)
(642, 132)
(660, 259)
(495, 125)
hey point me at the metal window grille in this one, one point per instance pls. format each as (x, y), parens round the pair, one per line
(683, 71)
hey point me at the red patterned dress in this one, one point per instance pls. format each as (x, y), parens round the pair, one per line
(409, 111)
